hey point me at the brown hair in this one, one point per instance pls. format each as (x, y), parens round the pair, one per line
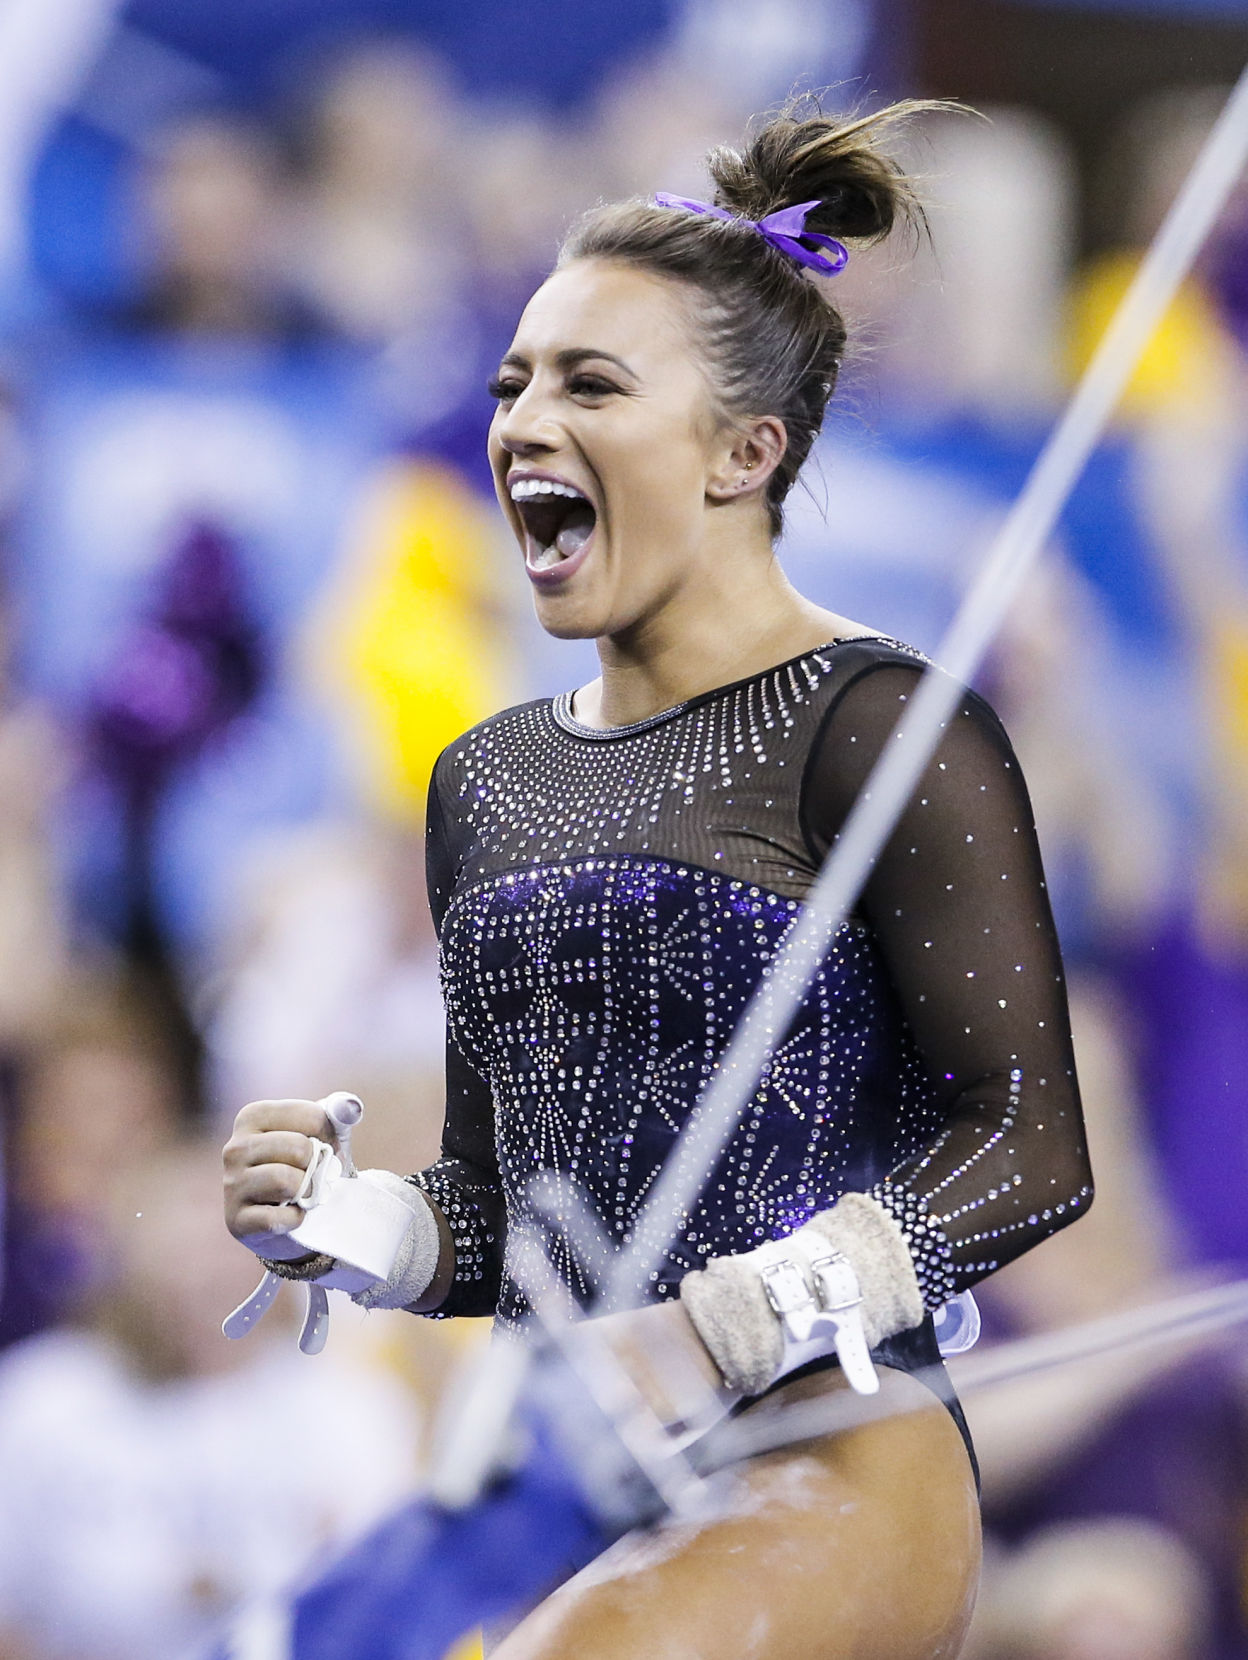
(772, 338)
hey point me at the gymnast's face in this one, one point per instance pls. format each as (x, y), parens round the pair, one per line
(607, 454)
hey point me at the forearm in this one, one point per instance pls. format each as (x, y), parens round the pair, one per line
(1009, 1169)
(958, 907)
(463, 1185)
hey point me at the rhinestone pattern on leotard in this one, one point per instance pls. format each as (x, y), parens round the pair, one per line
(606, 901)
(597, 997)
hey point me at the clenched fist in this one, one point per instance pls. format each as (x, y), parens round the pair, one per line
(265, 1161)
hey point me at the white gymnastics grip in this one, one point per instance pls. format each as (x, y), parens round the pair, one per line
(359, 1227)
(354, 1219)
(378, 1229)
(359, 1223)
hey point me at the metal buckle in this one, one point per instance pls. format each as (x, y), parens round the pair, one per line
(841, 1300)
(835, 1282)
(785, 1288)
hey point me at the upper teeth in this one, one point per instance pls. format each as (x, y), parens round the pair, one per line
(524, 489)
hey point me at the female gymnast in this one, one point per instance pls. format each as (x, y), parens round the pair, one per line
(612, 871)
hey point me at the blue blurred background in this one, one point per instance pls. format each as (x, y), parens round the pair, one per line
(256, 262)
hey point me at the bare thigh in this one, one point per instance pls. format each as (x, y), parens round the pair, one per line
(861, 1546)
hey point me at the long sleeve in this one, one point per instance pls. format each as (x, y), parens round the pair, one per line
(957, 902)
(464, 1181)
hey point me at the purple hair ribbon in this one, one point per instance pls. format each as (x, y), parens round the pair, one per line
(781, 229)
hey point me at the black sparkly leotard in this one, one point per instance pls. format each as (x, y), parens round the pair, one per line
(606, 901)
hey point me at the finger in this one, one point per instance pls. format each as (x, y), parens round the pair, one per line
(305, 1117)
(252, 1220)
(268, 1147)
(264, 1184)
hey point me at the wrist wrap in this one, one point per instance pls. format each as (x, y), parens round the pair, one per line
(765, 1312)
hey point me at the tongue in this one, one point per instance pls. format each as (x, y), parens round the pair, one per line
(573, 537)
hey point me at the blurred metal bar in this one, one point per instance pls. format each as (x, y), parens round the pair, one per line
(1205, 1313)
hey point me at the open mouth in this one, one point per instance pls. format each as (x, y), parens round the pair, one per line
(558, 521)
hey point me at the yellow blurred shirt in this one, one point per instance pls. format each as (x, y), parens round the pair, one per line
(410, 639)
(1185, 361)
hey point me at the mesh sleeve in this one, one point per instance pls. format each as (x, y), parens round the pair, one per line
(464, 1182)
(958, 904)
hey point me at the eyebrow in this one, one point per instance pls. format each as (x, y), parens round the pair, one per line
(569, 359)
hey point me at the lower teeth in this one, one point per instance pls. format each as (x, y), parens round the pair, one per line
(546, 557)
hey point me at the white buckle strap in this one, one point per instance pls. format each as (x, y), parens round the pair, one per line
(840, 1302)
(791, 1299)
(315, 1320)
(245, 1316)
(813, 1291)
(844, 1280)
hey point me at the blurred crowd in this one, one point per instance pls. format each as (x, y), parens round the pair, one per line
(252, 581)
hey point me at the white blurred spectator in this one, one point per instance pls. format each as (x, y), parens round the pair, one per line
(46, 49)
(756, 51)
(380, 245)
(974, 319)
(333, 984)
(1114, 1589)
(214, 202)
(154, 1476)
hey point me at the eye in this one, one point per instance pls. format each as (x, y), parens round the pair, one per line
(591, 386)
(506, 388)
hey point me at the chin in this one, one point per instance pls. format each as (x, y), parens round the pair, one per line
(562, 623)
(570, 617)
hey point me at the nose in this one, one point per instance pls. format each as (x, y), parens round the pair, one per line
(523, 429)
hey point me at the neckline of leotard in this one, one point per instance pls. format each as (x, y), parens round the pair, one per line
(561, 705)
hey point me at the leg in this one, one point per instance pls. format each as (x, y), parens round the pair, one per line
(863, 1546)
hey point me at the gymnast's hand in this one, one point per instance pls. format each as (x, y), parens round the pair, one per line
(265, 1160)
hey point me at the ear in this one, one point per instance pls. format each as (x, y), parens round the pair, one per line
(746, 459)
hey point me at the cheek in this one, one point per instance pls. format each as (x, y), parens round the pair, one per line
(499, 461)
(493, 443)
(666, 484)
(664, 463)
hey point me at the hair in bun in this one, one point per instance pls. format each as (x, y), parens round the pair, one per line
(861, 192)
(771, 334)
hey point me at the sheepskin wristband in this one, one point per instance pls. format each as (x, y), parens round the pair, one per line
(730, 1310)
(416, 1260)
(304, 1268)
(864, 1231)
